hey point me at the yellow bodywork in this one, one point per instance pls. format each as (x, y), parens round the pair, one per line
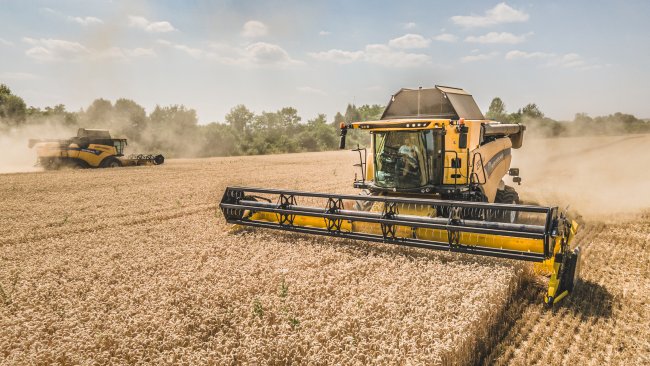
(472, 239)
(472, 158)
(549, 266)
(93, 155)
(464, 160)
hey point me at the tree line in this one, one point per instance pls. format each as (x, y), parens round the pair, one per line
(174, 130)
(582, 125)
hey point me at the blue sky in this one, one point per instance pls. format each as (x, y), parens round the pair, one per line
(568, 57)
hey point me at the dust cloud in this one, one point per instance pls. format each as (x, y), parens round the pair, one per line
(16, 156)
(601, 178)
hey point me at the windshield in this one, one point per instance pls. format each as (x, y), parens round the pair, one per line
(401, 158)
(119, 146)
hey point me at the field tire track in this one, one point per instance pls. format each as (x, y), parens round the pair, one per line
(107, 225)
(525, 314)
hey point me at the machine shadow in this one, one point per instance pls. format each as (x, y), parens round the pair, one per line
(590, 300)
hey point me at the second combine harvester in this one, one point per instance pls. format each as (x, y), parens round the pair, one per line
(432, 178)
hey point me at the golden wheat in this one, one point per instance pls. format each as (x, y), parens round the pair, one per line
(136, 265)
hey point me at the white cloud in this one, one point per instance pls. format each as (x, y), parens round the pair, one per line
(494, 37)
(310, 90)
(445, 37)
(409, 41)
(379, 54)
(337, 56)
(253, 55)
(152, 27)
(410, 25)
(262, 53)
(516, 54)
(48, 10)
(4, 42)
(384, 55)
(85, 21)
(567, 61)
(479, 57)
(324, 33)
(192, 52)
(254, 29)
(501, 13)
(55, 50)
(17, 76)
(52, 50)
(142, 52)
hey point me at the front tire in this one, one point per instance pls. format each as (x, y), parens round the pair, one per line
(111, 162)
(361, 205)
(509, 196)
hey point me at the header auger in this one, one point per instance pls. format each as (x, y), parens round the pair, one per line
(432, 178)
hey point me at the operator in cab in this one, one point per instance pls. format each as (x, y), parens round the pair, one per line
(410, 154)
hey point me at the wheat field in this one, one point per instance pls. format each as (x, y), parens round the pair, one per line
(137, 266)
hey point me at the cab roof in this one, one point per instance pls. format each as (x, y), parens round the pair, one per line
(444, 102)
(93, 133)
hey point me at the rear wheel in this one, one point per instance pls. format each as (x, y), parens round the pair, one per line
(79, 164)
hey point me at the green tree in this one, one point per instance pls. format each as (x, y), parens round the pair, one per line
(12, 107)
(130, 118)
(582, 118)
(497, 110)
(352, 114)
(318, 135)
(288, 117)
(274, 132)
(240, 118)
(338, 118)
(4, 89)
(370, 112)
(98, 114)
(265, 122)
(174, 129)
(531, 110)
(219, 140)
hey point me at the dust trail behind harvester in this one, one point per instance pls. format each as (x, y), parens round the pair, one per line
(16, 156)
(602, 178)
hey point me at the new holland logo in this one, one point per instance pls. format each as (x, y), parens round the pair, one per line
(496, 159)
(91, 151)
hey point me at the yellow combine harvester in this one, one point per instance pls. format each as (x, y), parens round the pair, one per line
(432, 178)
(89, 149)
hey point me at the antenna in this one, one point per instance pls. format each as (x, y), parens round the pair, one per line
(419, 91)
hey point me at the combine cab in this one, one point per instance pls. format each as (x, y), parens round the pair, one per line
(432, 178)
(89, 149)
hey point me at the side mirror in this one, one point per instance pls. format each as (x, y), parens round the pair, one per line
(462, 138)
(344, 132)
(517, 180)
(462, 141)
(514, 172)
